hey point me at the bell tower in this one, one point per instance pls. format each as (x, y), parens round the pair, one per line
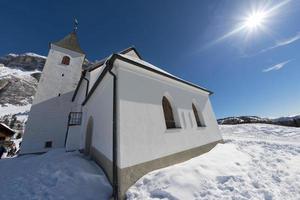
(48, 118)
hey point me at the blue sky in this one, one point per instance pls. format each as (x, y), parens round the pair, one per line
(250, 72)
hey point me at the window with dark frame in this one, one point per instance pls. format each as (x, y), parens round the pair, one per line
(168, 113)
(48, 144)
(75, 118)
(65, 60)
(199, 124)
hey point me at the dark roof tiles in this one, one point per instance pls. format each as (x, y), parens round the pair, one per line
(70, 42)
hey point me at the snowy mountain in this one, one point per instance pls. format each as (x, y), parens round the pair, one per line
(19, 76)
(293, 121)
(24, 62)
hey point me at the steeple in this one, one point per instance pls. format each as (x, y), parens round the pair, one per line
(70, 41)
(52, 101)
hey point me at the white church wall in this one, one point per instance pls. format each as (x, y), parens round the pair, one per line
(47, 123)
(48, 117)
(74, 137)
(75, 133)
(142, 130)
(133, 54)
(58, 78)
(93, 75)
(80, 96)
(100, 108)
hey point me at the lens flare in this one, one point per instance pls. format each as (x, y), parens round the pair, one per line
(255, 20)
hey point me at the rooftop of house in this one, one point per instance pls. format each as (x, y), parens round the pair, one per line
(4, 129)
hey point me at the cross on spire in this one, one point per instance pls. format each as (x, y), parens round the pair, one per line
(75, 25)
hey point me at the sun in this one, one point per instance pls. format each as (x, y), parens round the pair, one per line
(255, 20)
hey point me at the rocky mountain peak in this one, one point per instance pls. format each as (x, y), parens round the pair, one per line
(26, 61)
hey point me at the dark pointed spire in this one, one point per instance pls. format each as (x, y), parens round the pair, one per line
(70, 41)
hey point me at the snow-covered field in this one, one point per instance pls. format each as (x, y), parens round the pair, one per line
(258, 132)
(55, 175)
(256, 161)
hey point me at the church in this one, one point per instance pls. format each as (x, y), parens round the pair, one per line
(128, 115)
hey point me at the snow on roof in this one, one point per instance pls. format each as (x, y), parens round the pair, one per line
(2, 124)
(144, 63)
(10, 131)
(140, 63)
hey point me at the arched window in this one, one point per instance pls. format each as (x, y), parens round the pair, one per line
(169, 117)
(65, 60)
(199, 124)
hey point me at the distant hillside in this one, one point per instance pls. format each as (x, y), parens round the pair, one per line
(284, 121)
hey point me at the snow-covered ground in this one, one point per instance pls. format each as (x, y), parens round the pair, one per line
(10, 109)
(261, 132)
(55, 175)
(6, 71)
(257, 161)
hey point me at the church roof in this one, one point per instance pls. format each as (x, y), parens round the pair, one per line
(129, 59)
(123, 52)
(70, 42)
(145, 65)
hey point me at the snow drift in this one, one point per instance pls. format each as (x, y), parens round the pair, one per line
(244, 168)
(55, 175)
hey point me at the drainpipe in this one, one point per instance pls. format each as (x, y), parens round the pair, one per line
(115, 139)
(66, 137)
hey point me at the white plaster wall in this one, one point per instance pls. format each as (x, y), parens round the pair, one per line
(75, 133)
(48, 116)
(142, 132)
(93, 75)
(80, 96)
(52, 82)
(132, 54)
(100, 107)
(73, 140)
(47, 122)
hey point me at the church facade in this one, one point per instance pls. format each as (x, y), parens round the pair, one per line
(128, 115)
